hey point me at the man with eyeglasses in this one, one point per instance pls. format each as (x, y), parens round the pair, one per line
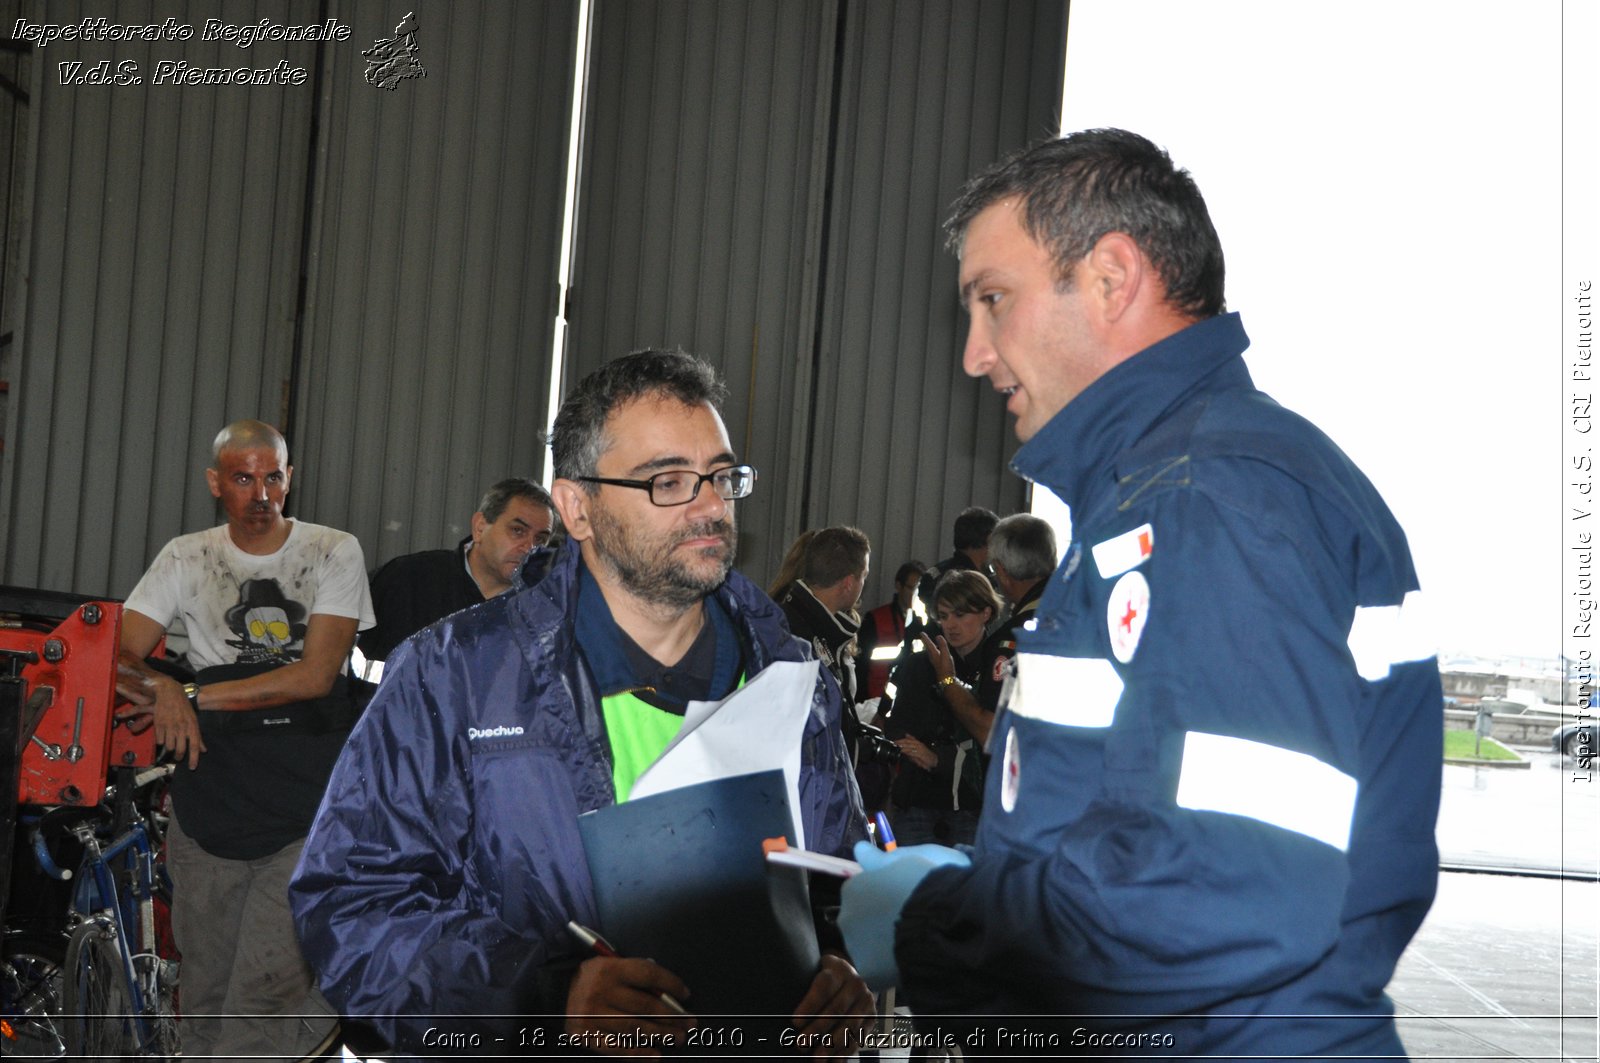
(445, 863)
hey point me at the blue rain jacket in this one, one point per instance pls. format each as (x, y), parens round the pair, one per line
(445, 862)
(1215, 779)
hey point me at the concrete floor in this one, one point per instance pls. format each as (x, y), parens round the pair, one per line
(1505, 967)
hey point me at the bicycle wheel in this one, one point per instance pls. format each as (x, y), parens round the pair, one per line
(158, 981)
(96, 1007)
(30, 994)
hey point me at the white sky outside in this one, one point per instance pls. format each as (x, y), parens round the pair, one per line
(1386, 181)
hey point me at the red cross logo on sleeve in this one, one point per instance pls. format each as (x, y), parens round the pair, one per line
(1127, 610)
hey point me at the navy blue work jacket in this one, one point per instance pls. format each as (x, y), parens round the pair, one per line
(1215, 778)
(445, 862)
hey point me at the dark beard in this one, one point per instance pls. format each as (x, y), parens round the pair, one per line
(654, 574)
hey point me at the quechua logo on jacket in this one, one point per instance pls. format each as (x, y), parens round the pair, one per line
(475, 733)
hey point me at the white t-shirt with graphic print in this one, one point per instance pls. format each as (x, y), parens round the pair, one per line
(252, 608)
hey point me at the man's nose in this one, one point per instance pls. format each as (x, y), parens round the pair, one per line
(707, 504)
(978, 357)
(258, 491)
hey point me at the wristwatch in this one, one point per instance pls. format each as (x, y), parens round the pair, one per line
(947, 681)
(192, 692)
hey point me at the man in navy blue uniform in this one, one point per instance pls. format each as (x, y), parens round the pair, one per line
(1209, 822)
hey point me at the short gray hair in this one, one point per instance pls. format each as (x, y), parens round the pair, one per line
(499, 496)
(1025, 546)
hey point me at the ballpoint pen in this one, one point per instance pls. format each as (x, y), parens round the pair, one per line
(885, 836)
(601, 947)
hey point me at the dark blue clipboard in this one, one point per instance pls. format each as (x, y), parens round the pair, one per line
(680, 877)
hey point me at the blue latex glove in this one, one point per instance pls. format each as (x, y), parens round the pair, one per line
(870, 903)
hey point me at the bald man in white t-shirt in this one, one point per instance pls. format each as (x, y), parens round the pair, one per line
(271, 607)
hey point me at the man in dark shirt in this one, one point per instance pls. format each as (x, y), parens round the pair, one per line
(971, 531)
(514, 517)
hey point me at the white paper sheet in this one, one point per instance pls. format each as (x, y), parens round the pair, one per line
(756, 728)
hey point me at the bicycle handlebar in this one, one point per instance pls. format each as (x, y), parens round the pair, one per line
(42, 854)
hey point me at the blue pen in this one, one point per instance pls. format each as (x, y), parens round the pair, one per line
(885, 835)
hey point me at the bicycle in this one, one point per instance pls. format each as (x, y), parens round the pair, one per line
(113, 995)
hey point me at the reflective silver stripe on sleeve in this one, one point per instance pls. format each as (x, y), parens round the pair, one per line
(1382, 636)
(1291, 790)
(1070, 691)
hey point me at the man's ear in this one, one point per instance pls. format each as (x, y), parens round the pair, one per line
(214, 482)
(1117, 271)
(572, 502)
(479, 523)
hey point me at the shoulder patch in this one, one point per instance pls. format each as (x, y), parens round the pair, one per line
(1122, 552)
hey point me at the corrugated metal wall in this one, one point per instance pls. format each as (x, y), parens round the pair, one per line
(377, 269)
(931, 91)
(161, 268)
(16, 81)
(707, 224)
(701, 209)
(171, 229)
(433, 271)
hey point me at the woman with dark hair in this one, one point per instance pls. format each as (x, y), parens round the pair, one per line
(939, 790)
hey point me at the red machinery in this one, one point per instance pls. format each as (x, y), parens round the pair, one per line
(58, 676)
(69, 676)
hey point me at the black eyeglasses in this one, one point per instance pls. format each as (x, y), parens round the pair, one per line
(679, 487)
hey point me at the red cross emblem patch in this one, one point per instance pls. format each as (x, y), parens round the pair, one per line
(1126, 613)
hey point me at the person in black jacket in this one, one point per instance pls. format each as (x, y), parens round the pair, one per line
(412, 591)
(820, 604)
(939, 790)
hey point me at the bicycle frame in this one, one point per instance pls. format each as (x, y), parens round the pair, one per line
(99, 899)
